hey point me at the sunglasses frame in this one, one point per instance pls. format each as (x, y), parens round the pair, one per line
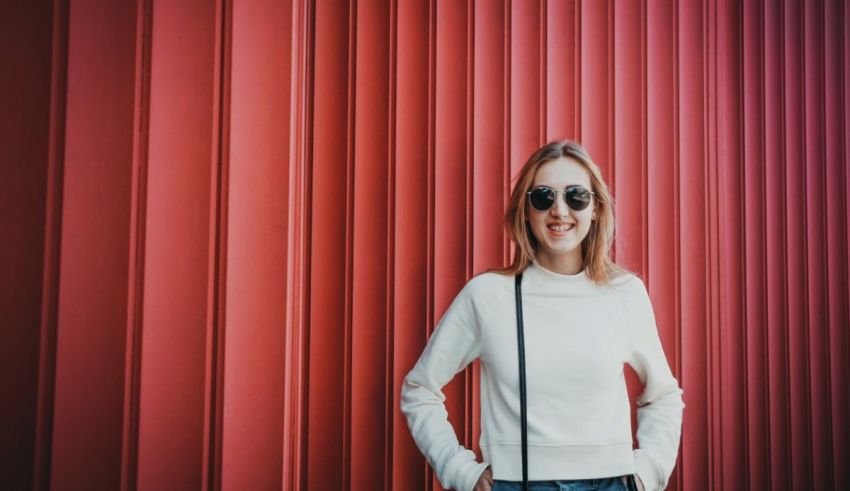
(564, 192)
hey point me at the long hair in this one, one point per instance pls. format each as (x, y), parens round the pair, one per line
(595, 247)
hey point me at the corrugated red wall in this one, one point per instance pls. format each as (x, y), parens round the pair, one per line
(228, 227)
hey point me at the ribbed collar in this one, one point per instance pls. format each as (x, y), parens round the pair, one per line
(537, 275)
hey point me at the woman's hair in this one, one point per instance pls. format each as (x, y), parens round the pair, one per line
(595, 247)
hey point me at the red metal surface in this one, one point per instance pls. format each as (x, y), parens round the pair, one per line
(229, 227)
(176, 248)
(93, 321)
(29, 230)
(413, 200)
(329, 358)
(450, 215)
(255, 285)
(371, 239)
(694, 276)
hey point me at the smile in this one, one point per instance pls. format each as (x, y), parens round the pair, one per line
(560, 227)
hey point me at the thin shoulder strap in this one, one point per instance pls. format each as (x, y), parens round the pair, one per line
(523, 412)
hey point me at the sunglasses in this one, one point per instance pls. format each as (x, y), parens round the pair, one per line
(576, 197)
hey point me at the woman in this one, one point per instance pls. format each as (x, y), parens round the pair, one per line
(584, 318)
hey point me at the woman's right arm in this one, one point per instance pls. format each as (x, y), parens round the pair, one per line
(453, 345)
(660, 405)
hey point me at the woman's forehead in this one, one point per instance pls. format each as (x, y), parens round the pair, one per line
(562, 172)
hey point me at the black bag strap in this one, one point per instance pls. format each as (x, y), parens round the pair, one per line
(522, 403)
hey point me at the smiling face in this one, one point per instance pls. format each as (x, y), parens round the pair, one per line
(560, 229)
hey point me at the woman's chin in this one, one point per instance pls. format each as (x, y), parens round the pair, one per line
(562, 251)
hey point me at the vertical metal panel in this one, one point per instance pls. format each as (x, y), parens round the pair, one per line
(298, 238)
(629, 133)
(52, 247)
(526, 82)
(330, 242)
(776, 254)
(835, 194)
(816, 250)
(451, 184)
(662, 273)
(412, 206)
(693, 231)
(28, 97)
(258, 195)
(94, 274)
(732, 326)
(563, 71)
(372, 203)
(489, 148)
(713, 250)
(266, 207)
(180, 163)
(217, 262)
(754, 245)
(797, 296)
(596, 75)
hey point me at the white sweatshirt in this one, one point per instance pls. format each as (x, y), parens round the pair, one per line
(578, 336)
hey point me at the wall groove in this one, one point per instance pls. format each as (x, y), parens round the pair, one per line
(49, 301)
(138, 200)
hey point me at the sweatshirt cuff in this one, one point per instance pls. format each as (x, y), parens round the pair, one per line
(471, 475)
(648, 471)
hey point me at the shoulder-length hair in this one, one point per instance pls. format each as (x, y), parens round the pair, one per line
(595, 247)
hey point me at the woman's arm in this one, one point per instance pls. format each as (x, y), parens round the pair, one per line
(453, 345)
(660, 406)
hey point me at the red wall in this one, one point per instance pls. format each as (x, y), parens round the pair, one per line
(228, 228)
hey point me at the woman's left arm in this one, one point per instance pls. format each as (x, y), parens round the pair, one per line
(660, 406)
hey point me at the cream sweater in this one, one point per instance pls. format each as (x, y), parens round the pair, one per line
(578, 336)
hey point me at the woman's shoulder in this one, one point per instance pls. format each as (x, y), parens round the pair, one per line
(489, 284)
(482, 293)
(488, 280)
(625, 282)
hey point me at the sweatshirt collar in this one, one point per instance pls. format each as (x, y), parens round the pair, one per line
(563, 283)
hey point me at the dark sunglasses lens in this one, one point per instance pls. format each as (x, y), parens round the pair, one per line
(542, 198)
(577, 198)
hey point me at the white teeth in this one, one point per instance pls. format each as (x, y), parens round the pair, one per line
(560, 228)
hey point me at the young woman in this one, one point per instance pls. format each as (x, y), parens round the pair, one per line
(584, 318)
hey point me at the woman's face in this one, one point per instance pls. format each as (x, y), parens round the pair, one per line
(560, 229)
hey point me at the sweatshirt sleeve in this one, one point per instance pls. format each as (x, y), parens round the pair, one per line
(452, 346)
(660, 405)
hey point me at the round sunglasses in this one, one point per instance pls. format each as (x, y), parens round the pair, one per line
(576, 197)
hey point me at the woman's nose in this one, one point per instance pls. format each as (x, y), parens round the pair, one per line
(559, 207)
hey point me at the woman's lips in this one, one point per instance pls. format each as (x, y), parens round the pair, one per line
(560, 229)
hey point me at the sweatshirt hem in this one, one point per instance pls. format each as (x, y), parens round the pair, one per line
(565, 462)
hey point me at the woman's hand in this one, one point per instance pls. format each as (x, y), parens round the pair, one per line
(485, 481)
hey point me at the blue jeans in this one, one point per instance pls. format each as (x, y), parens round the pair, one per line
(622, 483)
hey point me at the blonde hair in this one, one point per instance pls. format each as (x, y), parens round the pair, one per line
(595, 247)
